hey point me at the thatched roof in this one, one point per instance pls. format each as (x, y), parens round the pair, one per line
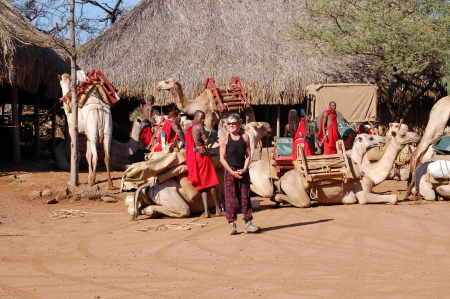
(193, 40)
(23, 64)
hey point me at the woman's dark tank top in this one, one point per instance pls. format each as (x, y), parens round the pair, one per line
(236, 151)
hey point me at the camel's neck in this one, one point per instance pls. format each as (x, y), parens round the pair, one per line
(180, 100)
(135, 132)
(381, 168)
(357, 154)
(65, 88)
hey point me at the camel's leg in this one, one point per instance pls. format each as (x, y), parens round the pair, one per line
(291, 184)
(94, 161)
(107, 148)
(170, 203)
(443, 190)
(366, 196)
(261, 183)
(426, 189)
(89, 160)
(349, 198)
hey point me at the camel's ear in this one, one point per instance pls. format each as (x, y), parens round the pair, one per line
(359, 139)
(393, 133)
(59, 77)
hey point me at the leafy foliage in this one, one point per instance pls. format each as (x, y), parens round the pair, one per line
(402, 37)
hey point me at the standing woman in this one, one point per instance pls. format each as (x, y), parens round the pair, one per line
(235, 158)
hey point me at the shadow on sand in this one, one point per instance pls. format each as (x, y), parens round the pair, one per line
(266, 229)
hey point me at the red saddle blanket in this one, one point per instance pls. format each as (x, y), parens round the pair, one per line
(94, 79)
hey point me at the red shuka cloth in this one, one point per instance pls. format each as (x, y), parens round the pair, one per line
(329, 146)
(300, 137)
(146, 135)
(201, 172)
(171, 136)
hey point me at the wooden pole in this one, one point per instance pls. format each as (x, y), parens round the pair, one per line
(73, 86)
(36, 126)
(278, 120)
(15, 122)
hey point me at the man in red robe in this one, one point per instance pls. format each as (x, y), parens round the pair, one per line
(328, 130)
(300, 137)
(172, 131)
(201, 172)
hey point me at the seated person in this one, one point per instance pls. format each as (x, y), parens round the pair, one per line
(301, 137)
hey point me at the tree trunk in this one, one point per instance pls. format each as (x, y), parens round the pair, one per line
(73, 86)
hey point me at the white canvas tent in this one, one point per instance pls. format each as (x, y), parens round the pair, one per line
(356, 102)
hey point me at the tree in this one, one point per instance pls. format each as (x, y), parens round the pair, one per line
(51, 16)
(406, 42)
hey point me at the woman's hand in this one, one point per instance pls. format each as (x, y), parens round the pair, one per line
(241, 171)
(236, 174)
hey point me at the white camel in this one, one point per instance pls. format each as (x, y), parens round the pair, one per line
(352, 191)
(427, 188)
(95, 121)
(262, 179)
(121, 152)
(439, 116)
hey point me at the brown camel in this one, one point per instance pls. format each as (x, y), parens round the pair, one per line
(205, 102)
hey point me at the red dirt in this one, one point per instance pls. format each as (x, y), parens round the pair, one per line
(327, 251)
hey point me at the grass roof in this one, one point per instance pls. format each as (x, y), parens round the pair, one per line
(193, 40)
(23, 64)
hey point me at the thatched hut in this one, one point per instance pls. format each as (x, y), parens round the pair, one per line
(193, 40)
(28, 73)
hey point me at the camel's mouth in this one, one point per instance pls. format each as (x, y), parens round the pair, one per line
(411, 140)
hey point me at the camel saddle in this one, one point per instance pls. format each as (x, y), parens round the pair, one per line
(94, 80)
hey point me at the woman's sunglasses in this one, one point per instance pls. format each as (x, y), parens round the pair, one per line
(233, 123)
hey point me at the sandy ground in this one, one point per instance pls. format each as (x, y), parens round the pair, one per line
(370, 251)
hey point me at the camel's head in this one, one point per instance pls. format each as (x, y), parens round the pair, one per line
(401, 135)
(140, 122)
(258, 129)
(166, 84)
(64, 80)
(366, 141)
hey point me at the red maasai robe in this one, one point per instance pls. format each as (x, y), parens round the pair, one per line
(300, 137)
(329, 147)
(171, 136)
(146, 135)
(201, 172)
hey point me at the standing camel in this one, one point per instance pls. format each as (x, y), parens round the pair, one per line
(439, 116)
(95, 121)
(204, 102)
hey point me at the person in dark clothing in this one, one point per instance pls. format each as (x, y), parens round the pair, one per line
(235, 158)
(291, 127)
